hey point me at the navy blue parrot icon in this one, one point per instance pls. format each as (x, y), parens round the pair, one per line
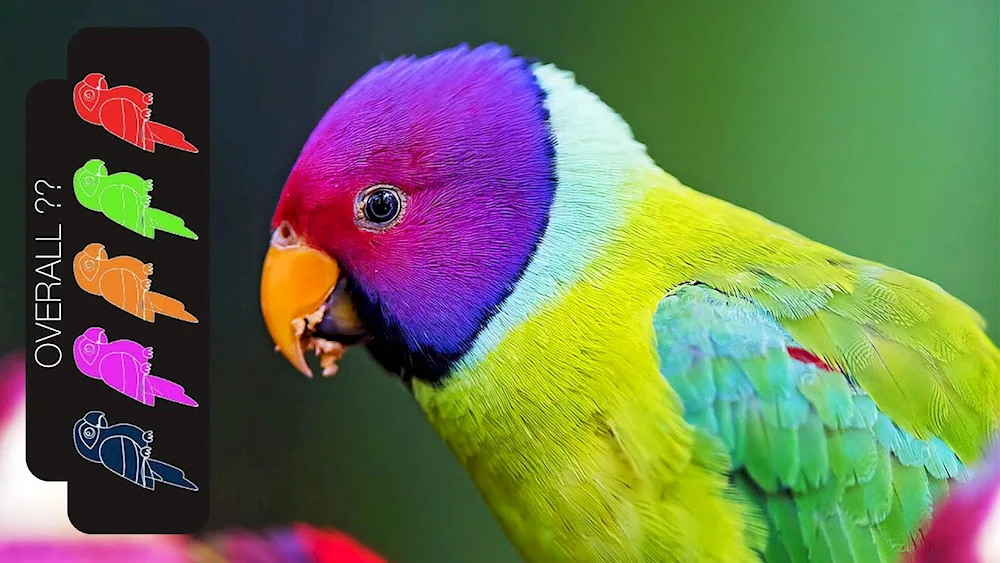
(124, 450)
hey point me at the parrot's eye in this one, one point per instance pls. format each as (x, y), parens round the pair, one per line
(88, 433)
(380, 207)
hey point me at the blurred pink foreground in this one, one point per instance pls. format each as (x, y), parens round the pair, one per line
(34, 527)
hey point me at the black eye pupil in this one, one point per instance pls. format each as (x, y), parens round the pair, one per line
(382, 206)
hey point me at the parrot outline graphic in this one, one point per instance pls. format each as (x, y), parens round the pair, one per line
(124, 282)
(124, 366)
(124, 449)
(124, 198)
(124, 112)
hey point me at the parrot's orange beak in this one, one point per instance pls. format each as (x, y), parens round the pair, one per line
(296, 288)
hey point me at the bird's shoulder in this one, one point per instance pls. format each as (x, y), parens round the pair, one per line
(919, 352)
(815, 453)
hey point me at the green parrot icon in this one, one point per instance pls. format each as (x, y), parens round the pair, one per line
(124, 198)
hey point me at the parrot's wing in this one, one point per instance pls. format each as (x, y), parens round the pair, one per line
(920, 353)
(835, 477)
(171, 475)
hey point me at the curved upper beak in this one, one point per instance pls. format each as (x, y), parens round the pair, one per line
(296, 282)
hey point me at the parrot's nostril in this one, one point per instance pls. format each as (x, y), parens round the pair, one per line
(284, 236)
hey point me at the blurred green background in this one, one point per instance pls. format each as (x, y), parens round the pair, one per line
(869, 126)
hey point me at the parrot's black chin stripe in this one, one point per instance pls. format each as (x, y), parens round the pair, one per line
(392, 349)
(350, 317)
(327, 332)
(334, 336)
(339, 322)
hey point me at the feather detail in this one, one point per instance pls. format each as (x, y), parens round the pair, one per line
(820, 453)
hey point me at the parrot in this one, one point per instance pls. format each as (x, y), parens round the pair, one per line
(124, 112)
(124, 198)
(124, 282)
(124, 365)
(124, 450)
(628, 369)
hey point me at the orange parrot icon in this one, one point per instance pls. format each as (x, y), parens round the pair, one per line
(124, 282)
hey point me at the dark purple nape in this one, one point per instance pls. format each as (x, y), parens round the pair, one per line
(465, 134)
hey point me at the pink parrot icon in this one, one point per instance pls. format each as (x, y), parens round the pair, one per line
(124, 366)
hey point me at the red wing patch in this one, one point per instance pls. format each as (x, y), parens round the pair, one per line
(807, 357)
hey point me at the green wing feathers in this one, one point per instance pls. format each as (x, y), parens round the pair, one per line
(919, 352)
(159, 220)
(834, 474)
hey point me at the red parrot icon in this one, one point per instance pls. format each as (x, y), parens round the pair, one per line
(124, 112)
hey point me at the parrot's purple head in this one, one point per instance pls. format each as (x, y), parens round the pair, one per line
(425, 189)
(438, 203)
(87, 349)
